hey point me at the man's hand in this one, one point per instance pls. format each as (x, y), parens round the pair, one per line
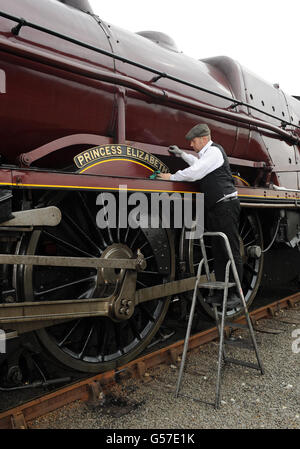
(175, 150)
(163, 176)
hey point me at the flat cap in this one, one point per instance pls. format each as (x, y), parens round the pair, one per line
(199, 130)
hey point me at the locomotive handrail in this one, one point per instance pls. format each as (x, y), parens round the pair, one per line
(23, 22)
(27, 159)
(75, 139)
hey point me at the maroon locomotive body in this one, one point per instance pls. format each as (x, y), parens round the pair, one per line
(52, 88)
(69, 83)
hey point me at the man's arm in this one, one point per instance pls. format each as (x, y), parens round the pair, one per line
(209, 162)
(164, 176)
(190, 159)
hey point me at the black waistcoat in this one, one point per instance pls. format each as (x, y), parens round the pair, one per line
(217, 183)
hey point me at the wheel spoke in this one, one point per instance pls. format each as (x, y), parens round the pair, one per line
(126, 235)
(118, 338)
(103, 337)
(134, 329)
(245, 236)
(197, 263)
(199, 244)
(108, 226)
(249, 243)
(243, 227)
(119, 234)
(135, 238)
(81, 354)
(141, 283)
(92, 221)
(59, 287)
(146, 312)
(250, 269)
(67, 244)
(69, 333)
(143, 245)
(81, 232)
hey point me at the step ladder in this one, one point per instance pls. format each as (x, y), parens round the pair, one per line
(220, 323)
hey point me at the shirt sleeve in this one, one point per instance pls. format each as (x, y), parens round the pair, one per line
(189, 158)
(210, 161)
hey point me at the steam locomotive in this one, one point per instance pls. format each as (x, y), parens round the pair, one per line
(88, 108)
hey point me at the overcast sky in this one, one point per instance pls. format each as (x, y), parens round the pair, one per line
(262, 35)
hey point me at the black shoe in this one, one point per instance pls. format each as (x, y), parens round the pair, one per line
(233, 300)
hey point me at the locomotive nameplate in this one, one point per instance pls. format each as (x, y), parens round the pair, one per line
(108, 152)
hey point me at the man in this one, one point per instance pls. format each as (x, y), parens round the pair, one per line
(210, 169)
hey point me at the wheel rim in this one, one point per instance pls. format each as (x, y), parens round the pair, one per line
(94, 344)
(250, 235)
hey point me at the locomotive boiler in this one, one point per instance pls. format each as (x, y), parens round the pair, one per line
(88, 108)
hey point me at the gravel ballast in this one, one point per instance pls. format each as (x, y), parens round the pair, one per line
(249, 400)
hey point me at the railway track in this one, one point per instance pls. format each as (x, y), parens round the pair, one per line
(93, 389)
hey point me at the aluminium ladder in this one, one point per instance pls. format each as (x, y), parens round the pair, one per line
(220, 325)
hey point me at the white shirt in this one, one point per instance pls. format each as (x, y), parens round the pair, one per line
(207, 160)
(200, 165)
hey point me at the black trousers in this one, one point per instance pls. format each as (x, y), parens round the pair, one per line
(224, 217)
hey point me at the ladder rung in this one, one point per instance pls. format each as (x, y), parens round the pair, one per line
(242, 363)
(218, 285)
(246, 344)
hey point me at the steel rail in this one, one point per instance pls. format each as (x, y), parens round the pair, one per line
(90, 389)
(23, 22)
